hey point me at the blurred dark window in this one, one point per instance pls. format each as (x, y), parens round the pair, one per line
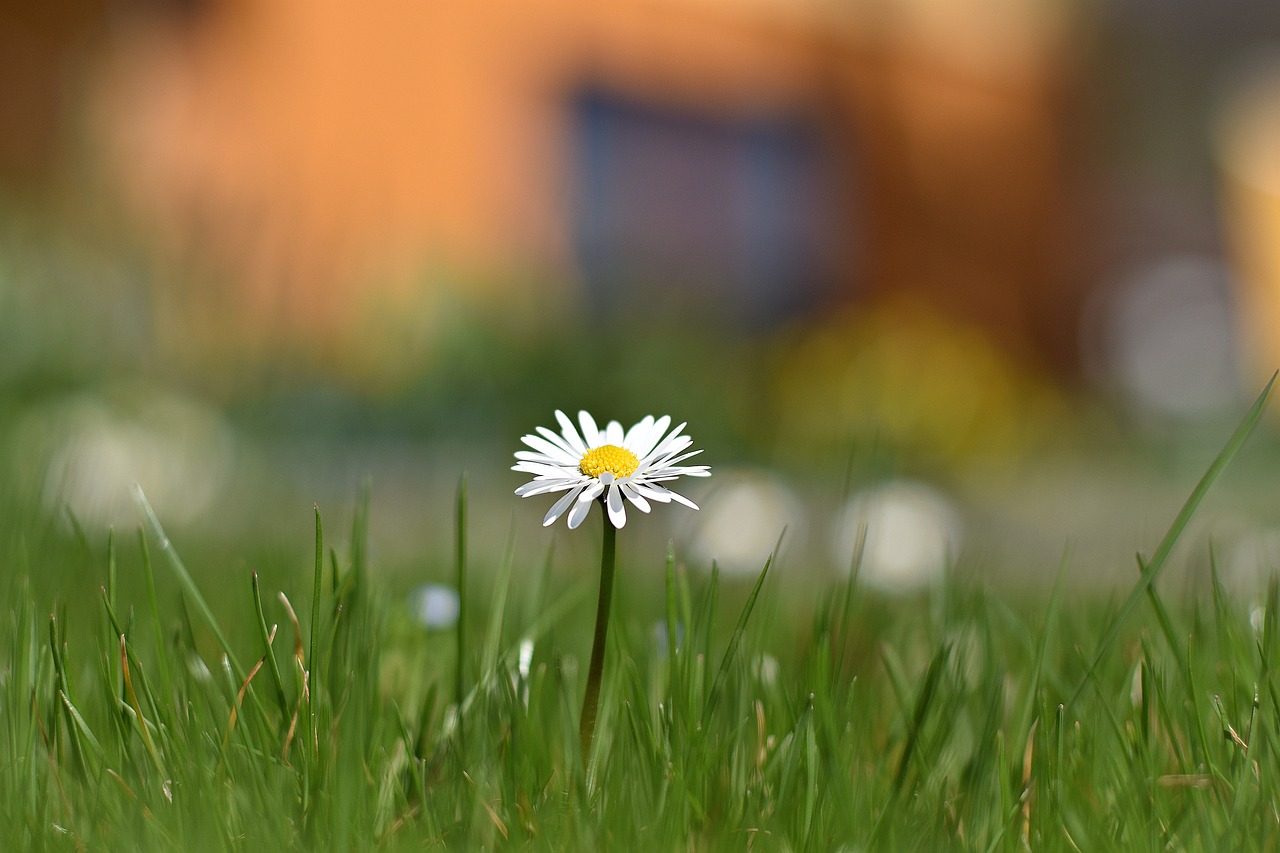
(678, 211)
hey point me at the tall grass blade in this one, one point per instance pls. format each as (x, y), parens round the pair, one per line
(317, 590)
(717, 686)
(139, 718)
(673, 621)
(184, 578)
(163, 664)
(460, 578)
(82, 728)
(269, 654)
(57, 643)
(920, 712)
(1180, 522)
(490, 656)
(1165, 621)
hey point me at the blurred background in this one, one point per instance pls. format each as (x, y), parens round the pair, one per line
(990, 278)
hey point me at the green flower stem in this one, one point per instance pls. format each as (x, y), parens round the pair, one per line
(587, 726)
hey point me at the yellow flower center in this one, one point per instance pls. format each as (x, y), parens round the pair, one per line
(608, 457)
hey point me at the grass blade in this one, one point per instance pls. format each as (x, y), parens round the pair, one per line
(184, 578)
(1161, 556)
(163, 665)
(736, 639)
(81, 728)
(921, 710)
(269, 654)
(460, 629)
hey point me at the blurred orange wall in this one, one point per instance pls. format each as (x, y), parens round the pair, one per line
(325, 153)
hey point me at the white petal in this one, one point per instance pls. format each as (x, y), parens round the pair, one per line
(662, 494)
(677, 473)
(590, 432)
(666, 463)
(668, 471)
(593, 491)
(579, 512)
(629, 491)
(673, 441)
(617, 510)
(669, 449)
(542, 469)
(613, 433)
(532, 456)
(653, 493)
(542, 487)
(637, 432)
(558, 441)
(660, 475)
(646, 441)
(682, 499)
(560, 506)
(543, 459)
(570, 434)
(550, 450)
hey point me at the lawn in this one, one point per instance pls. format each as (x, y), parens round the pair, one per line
(159, 704)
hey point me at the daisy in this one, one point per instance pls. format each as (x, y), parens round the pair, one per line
(606, 464)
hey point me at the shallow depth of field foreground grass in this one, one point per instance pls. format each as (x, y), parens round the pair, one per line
(961, 719)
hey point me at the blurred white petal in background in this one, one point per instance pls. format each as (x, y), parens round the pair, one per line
(912, 534)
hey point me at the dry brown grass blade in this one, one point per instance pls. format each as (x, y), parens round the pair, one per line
(244, 688)
(137, 708)
(299, 658)
(1028, 755)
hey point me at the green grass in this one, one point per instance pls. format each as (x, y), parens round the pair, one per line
(965, 718)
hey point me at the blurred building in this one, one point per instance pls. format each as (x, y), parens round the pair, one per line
(1248, 137)
(42, 49)
(757, 158)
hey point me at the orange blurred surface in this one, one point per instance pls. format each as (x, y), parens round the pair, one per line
(326, 155)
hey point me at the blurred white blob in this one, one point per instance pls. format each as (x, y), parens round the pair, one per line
(1166, 335)
(90, 450)
(520, 678)
(437, 606)
(741, 520)
(1250, 561)
(1246, 568)
(766, 669)
(524, 657)
(199, 669)
(912, 534)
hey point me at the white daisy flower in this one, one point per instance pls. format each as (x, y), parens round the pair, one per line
(606, 464)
